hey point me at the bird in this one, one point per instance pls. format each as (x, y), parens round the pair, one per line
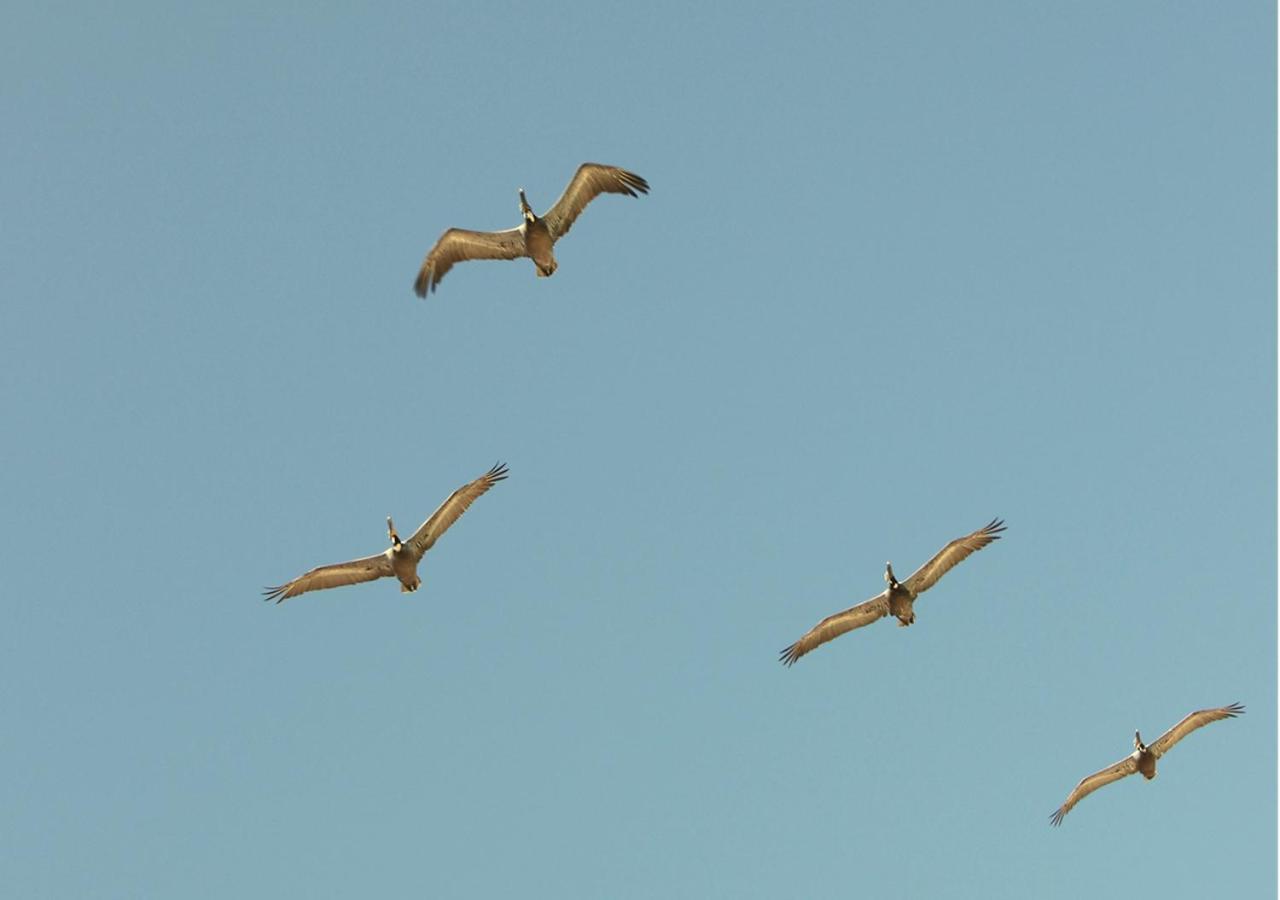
(897, 599)
(1144, 756)
(402, 557)
(536, 234)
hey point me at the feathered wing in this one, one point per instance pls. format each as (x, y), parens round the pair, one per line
(368, 569)
(451, 509)
(591, 180)
(459, 245)
(833, 626)
(1197, 719)
(1091, 783)
(927, 575)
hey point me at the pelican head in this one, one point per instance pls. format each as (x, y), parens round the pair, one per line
(1137, 742)
(525, 209)
(888, 575)
(391, 533)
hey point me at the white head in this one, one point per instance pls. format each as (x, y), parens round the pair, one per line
(888, 575)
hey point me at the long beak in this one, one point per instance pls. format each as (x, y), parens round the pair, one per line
(391, 531)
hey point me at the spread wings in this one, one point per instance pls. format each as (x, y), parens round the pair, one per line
(927, 575)
(459, 245)
(451, 509)
(1091, 783)
(833, 626)
(591, 180)
(1197, 719)
(354, 572)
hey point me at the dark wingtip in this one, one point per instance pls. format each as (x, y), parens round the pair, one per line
(1235, 709)
(1056, 817)
(498, 472)
(789, 655)
(274, 593)
(632, 180)
(425, 283)
(994, 527)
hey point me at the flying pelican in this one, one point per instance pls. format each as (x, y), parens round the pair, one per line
(402, 557)
(898, 597)
(1143, 758)
(536, 234)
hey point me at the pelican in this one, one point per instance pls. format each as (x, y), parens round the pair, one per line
(402, 557)
(536, 234)
(1144, 756)
(898, 597)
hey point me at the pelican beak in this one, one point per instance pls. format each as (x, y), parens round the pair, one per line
(391, 531)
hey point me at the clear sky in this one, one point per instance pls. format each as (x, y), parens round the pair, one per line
(905, 267)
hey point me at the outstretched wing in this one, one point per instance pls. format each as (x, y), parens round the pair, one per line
(354, 572)
(459, 245)
(833, 626)
(449, 511)
(927, 575)
(1197, 719)
(591, 180)
(1091, 783)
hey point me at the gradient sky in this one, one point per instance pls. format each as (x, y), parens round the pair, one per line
(905, 267)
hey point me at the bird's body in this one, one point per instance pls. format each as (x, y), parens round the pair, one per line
(536, 236)
(1143, 758)
(404, 567)
(1146, 762)
(401, 559)
(902, 605)
(899, 598)
(539, 243)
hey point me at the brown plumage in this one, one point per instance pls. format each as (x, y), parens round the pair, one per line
(536, 235)
(1144, 756)
(402, 557)
(899, 597)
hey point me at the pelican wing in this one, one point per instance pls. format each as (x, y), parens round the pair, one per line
(927, 575)
(1091, 783)
(451, 509)
(1197, 719)
(354, 572)
(459, 245)
(587, 183)
(833, 626)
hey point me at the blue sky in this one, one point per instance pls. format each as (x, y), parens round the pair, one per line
(904, 267)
